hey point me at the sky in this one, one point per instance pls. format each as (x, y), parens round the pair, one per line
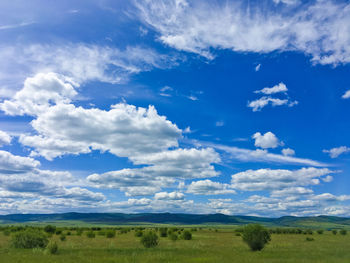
(233, 107)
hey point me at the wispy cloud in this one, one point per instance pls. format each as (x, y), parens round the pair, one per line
(311, 27)
(23, 24)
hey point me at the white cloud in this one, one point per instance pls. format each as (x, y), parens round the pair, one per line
(208, 187)
(335, 152)
(287, 2)
(163, 169)
(169, 196)
(279, 179)
(281, 87)
(247, 155)
(124, 130)
(259, 104)
(268, 140)
(10, 163)
(12, 26)
(4, 138)
(319, 29)
(80, 62)
(346, 95)
(39, 93)
(257, 68)
(292, 191)
(330, 197)
(288, 152)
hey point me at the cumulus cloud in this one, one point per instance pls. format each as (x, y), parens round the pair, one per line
(320, 29)
(10, 163)
(268, 140)
(124, 130)
(259, 104)
(163, 169)
(208, 187)
(335, 152)
(169, 196)
(281, 87)
(4, 138)
(288, 152)
(292, 191)
(268, 179)
(39, 93)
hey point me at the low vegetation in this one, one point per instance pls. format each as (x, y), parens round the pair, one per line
(181, 244)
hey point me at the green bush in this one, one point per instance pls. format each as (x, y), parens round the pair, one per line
(256, 236)
(79, 232)
(186, 235)
(50, 229)
(320, 231)
(7, 232)
(52, 247)
(310, 239)
(90, 234)
(163, 232)
(29, 239)
(58, 232)
(150, 239)
(110, 233)
(343, 232)
(334, 232)
(63, 237)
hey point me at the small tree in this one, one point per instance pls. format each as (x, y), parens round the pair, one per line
(256, 236)
(343, 232)
(186, 235)
(163, 232)
(173, 236)
(63, 237)
(52, 247)
(320, 231)
(29, 239)
(50, 229)
(334, 232)
(110, 233)
(149, 240)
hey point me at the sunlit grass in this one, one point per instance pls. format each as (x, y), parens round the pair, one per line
(206, 246)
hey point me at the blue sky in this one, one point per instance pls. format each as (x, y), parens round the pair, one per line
(230, 107)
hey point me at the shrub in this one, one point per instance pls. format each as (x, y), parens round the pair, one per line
(7, 232)
(58, 232)
(334, 232)
(320, 231)
(163, 232)
(29, 239)
(52, 247)
(309, 232)
(69, 233)
(110, 233)
(149, 239)
(50, 229)
(310, 239)
(186, 235)
(63, 237)
(256, 236)
(173, 237)
(343, 232)
(90, 234)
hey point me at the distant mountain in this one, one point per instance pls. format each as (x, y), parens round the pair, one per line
(168, 218)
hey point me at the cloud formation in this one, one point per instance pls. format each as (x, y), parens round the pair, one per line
(335, 152)
(320, 29)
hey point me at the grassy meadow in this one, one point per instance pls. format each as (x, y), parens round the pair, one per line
(207, 245)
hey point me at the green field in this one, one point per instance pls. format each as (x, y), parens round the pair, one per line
(207, 245)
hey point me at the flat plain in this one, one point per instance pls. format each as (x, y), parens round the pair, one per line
(207, 245)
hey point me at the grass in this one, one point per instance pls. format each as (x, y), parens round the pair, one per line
(206, 246)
